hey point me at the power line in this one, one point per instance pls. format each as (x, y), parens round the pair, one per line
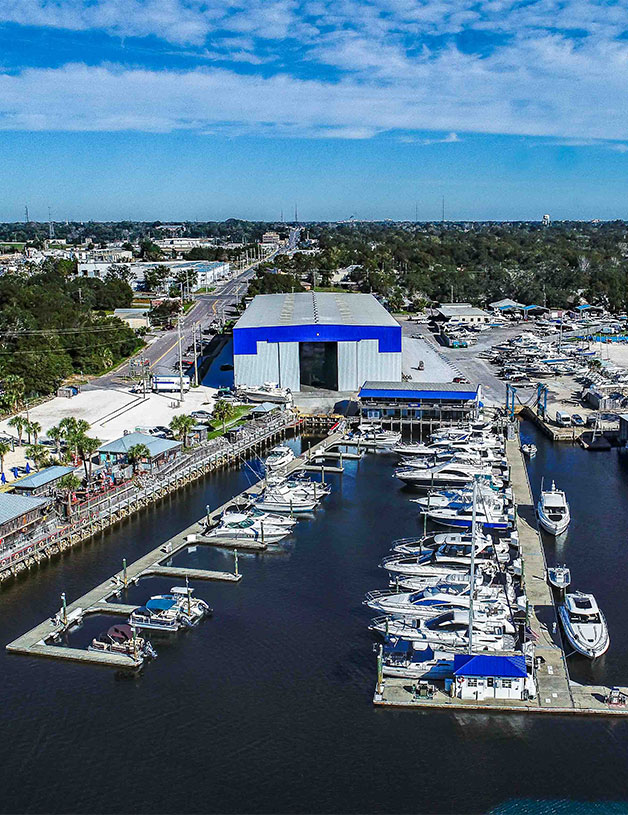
(56, 331)
(55, 350)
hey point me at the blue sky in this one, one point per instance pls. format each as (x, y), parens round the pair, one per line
(202, 109)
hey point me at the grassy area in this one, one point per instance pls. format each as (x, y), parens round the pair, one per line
(241, 410)
(205, 290)
(330, 289)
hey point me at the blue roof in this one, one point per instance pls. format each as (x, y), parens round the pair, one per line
(488, 665)
(155, 445)
(413, 391)
(43, 477)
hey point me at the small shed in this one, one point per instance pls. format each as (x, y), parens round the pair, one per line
(116, 452)
(68, 391)
(265, 407)
(484, 676)
(20, 515)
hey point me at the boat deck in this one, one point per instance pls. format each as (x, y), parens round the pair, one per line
(555, 692)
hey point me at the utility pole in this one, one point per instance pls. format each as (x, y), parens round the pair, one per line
(195, 356)
(180, 360)
(51, 229)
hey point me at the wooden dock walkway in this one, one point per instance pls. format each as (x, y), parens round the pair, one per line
(39, 640)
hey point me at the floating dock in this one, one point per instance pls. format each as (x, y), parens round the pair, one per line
(556, 693)
(40, 640)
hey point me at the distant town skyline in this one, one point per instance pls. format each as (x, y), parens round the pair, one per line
(189, 110)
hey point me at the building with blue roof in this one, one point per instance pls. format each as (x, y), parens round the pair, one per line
(43, 481)
(440, 401)
(117, 451)
(492, 676)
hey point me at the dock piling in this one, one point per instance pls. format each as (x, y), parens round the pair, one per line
(235, 562)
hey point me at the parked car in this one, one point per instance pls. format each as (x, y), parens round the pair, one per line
(577, 420)
(592, 419)
(461, 380)
(201, 415)
(563, 419)
(162, 430)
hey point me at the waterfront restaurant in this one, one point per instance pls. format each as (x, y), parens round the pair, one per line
(419, 401)
(490, 677)
(159, 450)
(19, 515)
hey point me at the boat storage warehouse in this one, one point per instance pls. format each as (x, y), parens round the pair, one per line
(316, 340)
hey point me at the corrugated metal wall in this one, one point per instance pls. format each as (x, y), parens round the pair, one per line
(255, 369)
(289, 372)
(375, 366)
(347, 366)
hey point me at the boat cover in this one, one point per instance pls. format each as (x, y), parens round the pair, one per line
(162, 603)
(121, 632)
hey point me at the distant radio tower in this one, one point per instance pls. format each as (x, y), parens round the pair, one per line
(51, 226)
(296, 214)
(282, 215)
(26, 218)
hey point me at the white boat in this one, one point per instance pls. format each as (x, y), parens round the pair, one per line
(170, 612)
(233, 515)
(490, 443)
(464, 455)
(553, 510)
(268, 392)
(584, 624)
(444, 498)
(378, 437)
(488, 515)
(529, 450)
(281, 498)
(435, 600)
(559, 577)
(123, 639)
(420, 545)
(447, 474)
(451, 554)
(279, 457)
(450, 630)
(399, 658)
(248, 529)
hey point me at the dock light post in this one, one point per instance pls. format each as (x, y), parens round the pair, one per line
(291, 509)
(235, 562)
(322, 473)
(207, 514)
(124, 577)
(65, 608)
(380, 669)
(261, 523)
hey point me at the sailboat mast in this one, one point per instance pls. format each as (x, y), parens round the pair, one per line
(472, 575)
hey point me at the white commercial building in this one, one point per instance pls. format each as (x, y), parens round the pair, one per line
(316, 340)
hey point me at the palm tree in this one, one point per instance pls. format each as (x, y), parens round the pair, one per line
(35, 428)
(28, 427)
(181, 426)
(223, 411)
(136, 453)
(5, 448)
(13, 387)
(69, 483)
(18, 423)
(38, 453)
(87, 447)
(55, 434)
(73, 429)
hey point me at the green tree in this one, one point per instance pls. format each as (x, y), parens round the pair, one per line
(69, 484)
(35, 429)
(18, 423)
(12, 392)
(223, 412)
(137, 453)
(39, 454)
(181, 427)
(56, 435)
(5, 449)
(87, 447)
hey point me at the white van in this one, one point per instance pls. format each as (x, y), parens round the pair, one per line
(563, 419)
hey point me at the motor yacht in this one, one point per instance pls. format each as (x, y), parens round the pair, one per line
(401, 659)
(434, 600)
(559, 577)
(553, 510)
(248, 529)
(529, 450)
(443, 498)
(281, 498)
(488, 515)
(447, 555)
(279, 457)
(447, 474)
(584, 624)
(451, 630)
(268, 392)
(433, 540)
(378, 437)
(233, 515)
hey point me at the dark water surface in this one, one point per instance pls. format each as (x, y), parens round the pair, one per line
(266, 707)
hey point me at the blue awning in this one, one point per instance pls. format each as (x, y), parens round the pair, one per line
(163, 603)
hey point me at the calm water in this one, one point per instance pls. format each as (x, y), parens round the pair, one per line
(266, 707)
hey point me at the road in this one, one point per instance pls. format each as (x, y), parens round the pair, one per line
(163, 353)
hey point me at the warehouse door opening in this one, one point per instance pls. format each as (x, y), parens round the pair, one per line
(318, 364)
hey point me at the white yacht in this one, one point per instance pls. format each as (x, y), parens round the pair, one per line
(584, 624)
(233, 515)
(443, 498)
(489, 443)
(433, 540)
(450, 630)
(281, 498)
(462, 455)
(553, 510)
(434, 600)
(447, 474)
(248, 529)
(279, 457)
(268, 392)
(451, 554)
(489, 515)
(559, 577)
(376, 436)
(401, 659)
